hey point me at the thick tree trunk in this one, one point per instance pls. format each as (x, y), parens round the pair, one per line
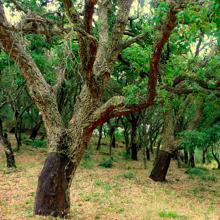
(67, 147)
(53, 190)
(162, 161)
(161, 166)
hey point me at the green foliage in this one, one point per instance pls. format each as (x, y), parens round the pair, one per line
(201, 172)
(128, 175)
(107, 163)
(170, 214)
(87, 161)
(35, 143)
(197, 171)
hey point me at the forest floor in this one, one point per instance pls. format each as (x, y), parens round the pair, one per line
(123, 191)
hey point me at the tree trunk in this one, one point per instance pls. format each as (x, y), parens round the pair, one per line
(10, 159)
(18, 130)
(162, 161)
(133, 143)
(186, 158)
(191, 159)
(134, 151)
(148, 153)
(67, 147)
(216, 157)
(100, 138)
(127, 147)
(53, 190)
(35, 130)
(161, 166)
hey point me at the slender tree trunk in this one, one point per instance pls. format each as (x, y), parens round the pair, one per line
(127, 147)
(145, 157)
(148, 153)
(186, 157)
(216, 158)
(18, 129)
(35, 130)
(203, 156)
(133, 143)
(191, 159)
(100, 138)
(10, 159)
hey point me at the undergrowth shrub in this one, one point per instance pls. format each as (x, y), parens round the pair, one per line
(107, 163)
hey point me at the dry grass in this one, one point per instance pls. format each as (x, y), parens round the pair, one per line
(121, 192)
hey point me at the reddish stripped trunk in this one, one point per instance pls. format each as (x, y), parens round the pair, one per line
(161, 166)
(53, 196)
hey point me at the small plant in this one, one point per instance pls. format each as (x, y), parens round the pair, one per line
(126, 155)
(87, 161)
(35, 143)
(197, 171)
(128, 175)
(209, 178)
(202, 173)
(107, 164)
(170, 214)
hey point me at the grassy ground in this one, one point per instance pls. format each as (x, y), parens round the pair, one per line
(121, 192)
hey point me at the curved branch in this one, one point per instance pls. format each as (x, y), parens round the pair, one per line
(155, 60)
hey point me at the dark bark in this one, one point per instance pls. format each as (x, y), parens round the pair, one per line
(161, 166)
(215, 157)
(35, 129)
(133, 144)
(191, 159)
(112, 136)
(203, 156)
(52, 197)
(10, 159)
(18, 128)
(100, 138)
(186, 158)
(148, 153)
(157, 151)
(134, 151)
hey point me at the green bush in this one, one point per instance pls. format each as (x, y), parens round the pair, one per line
(107, 164)
(202, 173)
(128, 175)
(35, 143)
(197, 171)
(87, 161)
(170, 214)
